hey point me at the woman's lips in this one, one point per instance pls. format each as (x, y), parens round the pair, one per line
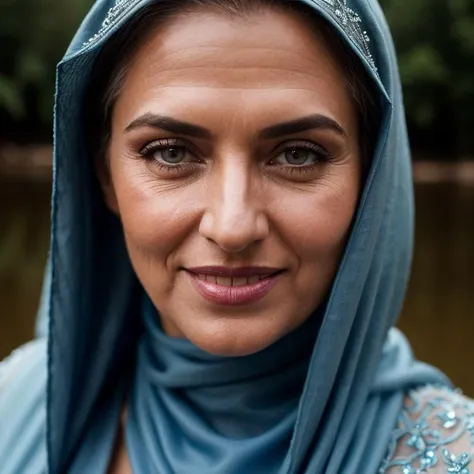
(233, 286)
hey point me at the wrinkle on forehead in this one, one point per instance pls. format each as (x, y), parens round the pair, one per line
(235, 67)
(203, 51)
(244, 78)
(219, 29)
(278, 41)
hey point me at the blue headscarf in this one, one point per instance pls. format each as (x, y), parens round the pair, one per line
(189, 412)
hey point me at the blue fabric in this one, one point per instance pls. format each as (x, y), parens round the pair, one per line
(23, 410)
(358, 367)
(214, 414)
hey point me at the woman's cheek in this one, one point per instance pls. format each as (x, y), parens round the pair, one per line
(318, 222)
(157, 220)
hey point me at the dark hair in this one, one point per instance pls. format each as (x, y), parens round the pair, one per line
(111, 66)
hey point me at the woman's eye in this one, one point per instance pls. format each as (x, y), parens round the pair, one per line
(172, 155)
(167, 152)
(299, 156)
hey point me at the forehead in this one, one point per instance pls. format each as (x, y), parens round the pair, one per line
(267, 56)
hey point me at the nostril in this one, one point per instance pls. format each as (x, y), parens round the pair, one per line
(232, 229)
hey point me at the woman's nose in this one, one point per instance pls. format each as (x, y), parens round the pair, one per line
(234, 218)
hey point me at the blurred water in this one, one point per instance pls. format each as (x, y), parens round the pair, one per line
(437, 318)
(439, 312)
(24, 240)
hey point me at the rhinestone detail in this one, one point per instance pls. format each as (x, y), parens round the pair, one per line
(351, 23)
(347, 18)
(426, 432)
(114, 15)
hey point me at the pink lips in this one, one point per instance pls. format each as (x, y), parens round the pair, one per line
(249, 284)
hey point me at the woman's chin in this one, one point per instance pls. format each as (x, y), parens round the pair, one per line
(231, 347)
(229, 337)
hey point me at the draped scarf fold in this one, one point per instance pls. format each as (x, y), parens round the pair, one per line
(190, 413)
(195, 412)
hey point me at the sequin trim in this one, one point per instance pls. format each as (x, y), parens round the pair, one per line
(347, 18)
(351, 23)
(426, 432)
(114, 15)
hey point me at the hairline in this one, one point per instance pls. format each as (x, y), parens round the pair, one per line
(127, 42)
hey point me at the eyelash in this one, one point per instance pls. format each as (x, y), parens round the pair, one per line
(153, 147)
(323, 155)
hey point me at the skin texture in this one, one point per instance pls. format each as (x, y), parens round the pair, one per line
(234, 200)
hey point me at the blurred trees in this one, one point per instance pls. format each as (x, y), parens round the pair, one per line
(33, 36)
(435, 45)
(434, 38)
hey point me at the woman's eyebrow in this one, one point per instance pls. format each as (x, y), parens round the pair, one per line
(302, 124)
(172, 125)
(169, 124)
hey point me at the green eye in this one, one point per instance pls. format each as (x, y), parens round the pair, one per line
(299, 156)
(172, 155)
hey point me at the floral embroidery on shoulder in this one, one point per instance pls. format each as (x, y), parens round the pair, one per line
(435, 434)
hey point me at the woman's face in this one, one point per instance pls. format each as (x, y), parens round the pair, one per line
(235, 170)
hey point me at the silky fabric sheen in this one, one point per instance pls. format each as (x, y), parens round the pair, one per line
(214, 414)
(100, 355)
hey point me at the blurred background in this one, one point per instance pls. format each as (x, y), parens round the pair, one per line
(435, 43)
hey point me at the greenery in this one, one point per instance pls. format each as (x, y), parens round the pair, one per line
(435, 44)
(434, 39)
(33, 36)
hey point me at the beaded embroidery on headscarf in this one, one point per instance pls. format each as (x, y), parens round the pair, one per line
(351, 24)
(348, 19)
(114, 15)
